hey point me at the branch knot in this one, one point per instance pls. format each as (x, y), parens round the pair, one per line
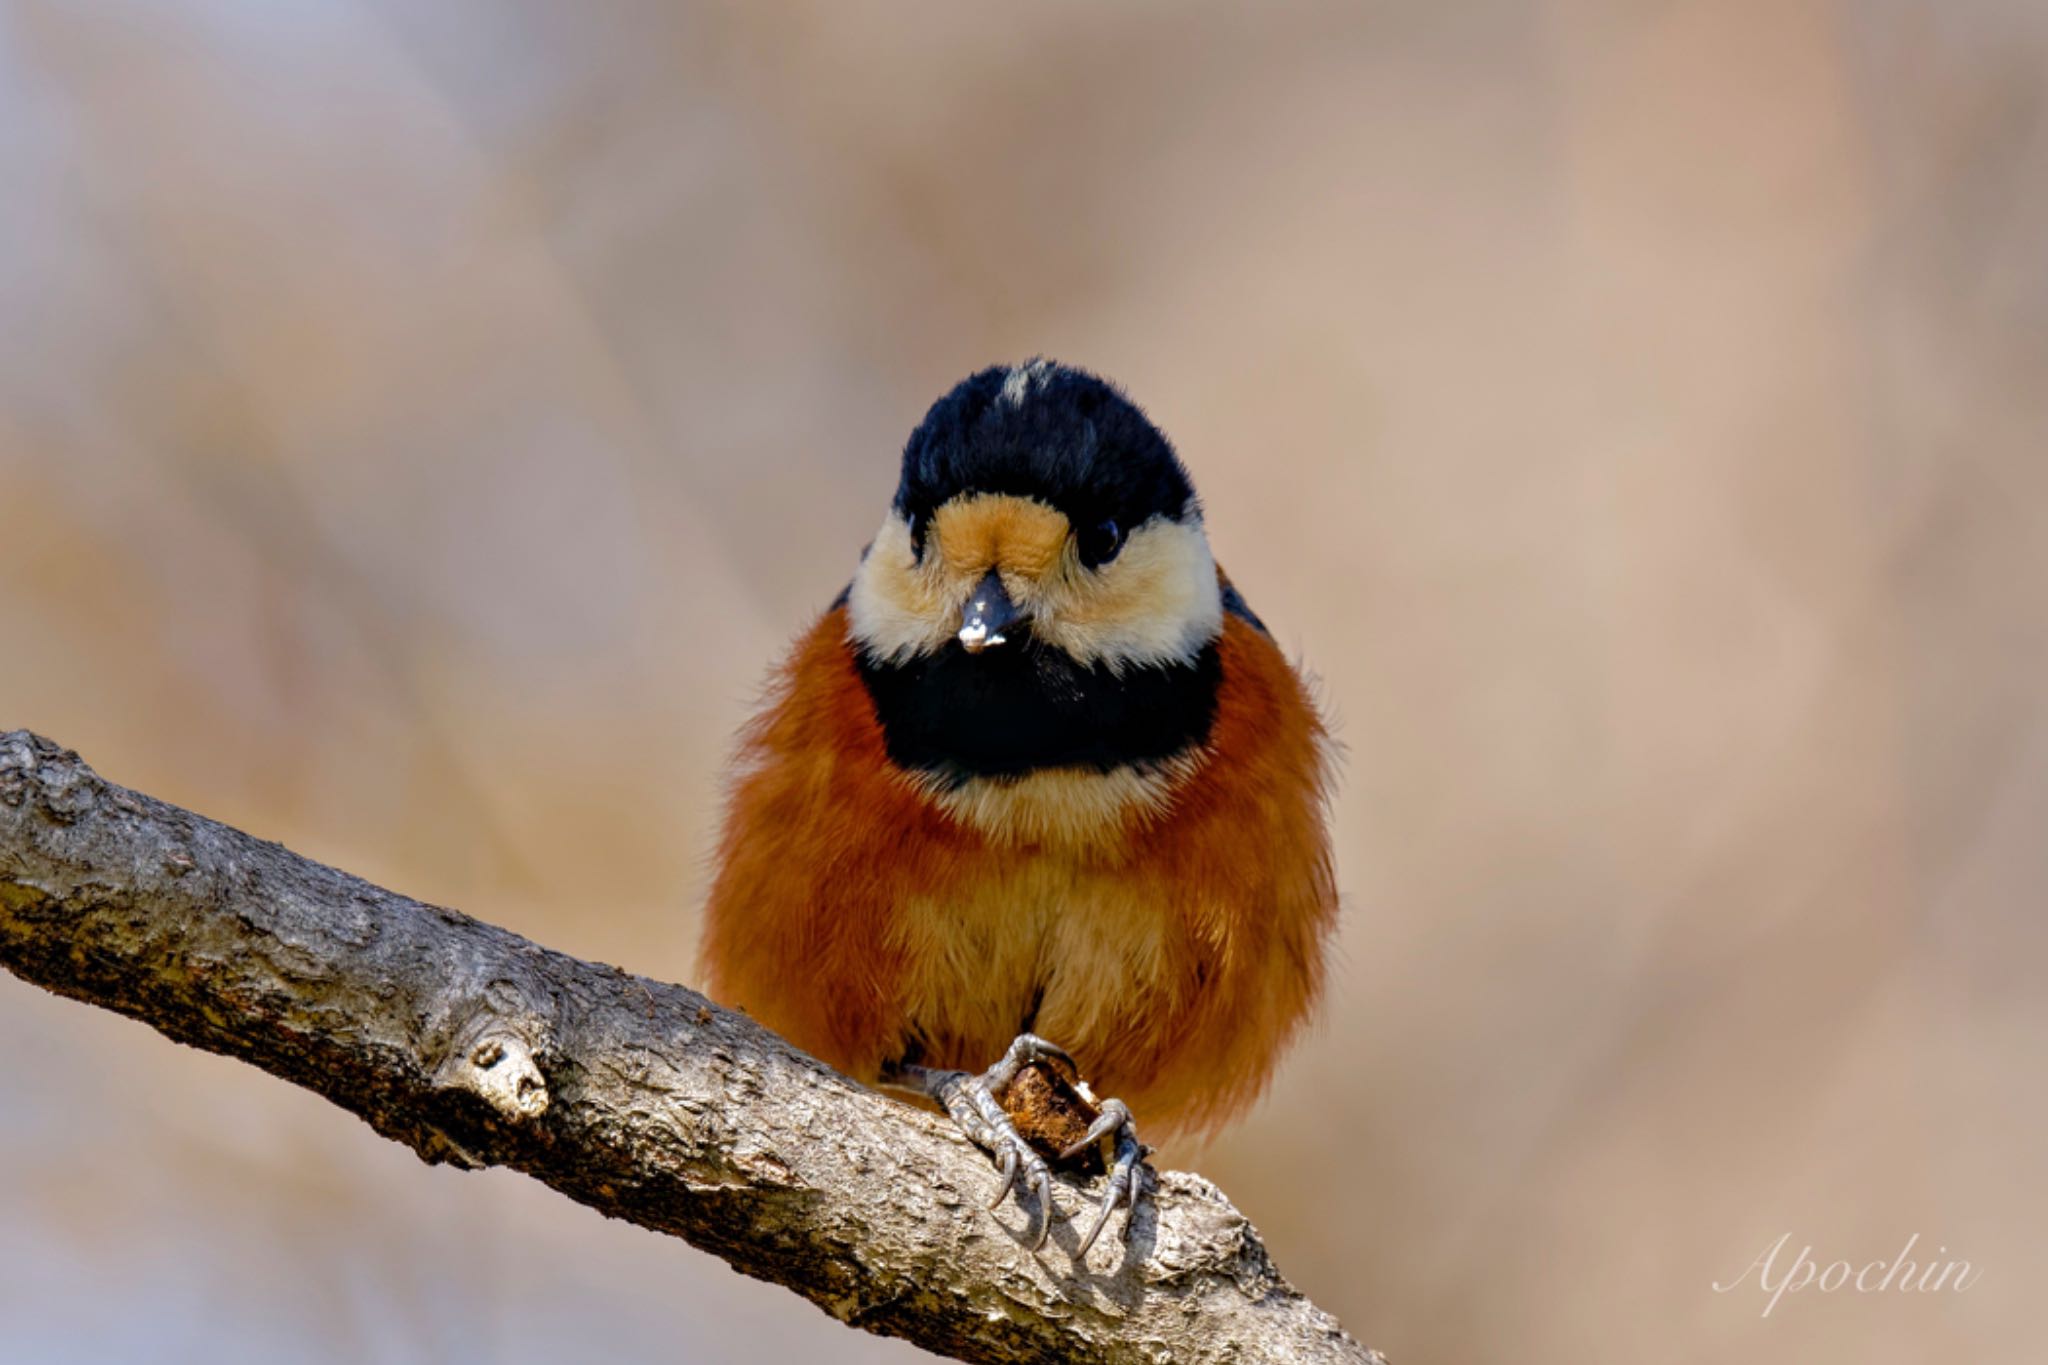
(500, 1070)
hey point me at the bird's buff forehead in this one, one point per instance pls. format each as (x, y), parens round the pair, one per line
(1021, 538)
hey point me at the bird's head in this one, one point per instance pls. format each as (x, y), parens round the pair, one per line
(1038, 509)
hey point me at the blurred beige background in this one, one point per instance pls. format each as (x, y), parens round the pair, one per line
(421, 424)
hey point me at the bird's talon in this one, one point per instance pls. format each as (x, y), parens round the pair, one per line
(1041, 1182)
(1109, 1202)
(1123, 1172)
(1006, 1177)
(1115, 1114)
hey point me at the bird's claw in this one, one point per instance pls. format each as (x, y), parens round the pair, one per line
(972, 1103)
(1123, 1184)
(1115, 1115)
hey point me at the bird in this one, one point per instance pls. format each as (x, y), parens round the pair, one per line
(1037, 787)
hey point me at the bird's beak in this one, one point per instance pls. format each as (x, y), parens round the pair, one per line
(988, 610)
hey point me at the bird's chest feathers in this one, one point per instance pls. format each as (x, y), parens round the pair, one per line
(1048, 940)
(1071, 809)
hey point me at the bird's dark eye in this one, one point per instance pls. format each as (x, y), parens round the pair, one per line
(1100, 542)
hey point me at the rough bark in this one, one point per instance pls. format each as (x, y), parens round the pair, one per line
(472, 1045)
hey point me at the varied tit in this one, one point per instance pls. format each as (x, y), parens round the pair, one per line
(1038, 788)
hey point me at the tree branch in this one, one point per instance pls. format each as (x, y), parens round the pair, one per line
(645, 1101)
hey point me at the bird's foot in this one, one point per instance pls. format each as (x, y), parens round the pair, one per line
(1109, 1118)
(976, 1104)
(1129, 1154)
(971, 1101)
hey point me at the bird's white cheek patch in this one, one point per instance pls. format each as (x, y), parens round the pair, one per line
(897, 607)
(1157, 602)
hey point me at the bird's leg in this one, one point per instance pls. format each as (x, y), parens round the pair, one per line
(971, 1100)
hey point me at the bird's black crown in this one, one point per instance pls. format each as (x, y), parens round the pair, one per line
(1044, 431)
